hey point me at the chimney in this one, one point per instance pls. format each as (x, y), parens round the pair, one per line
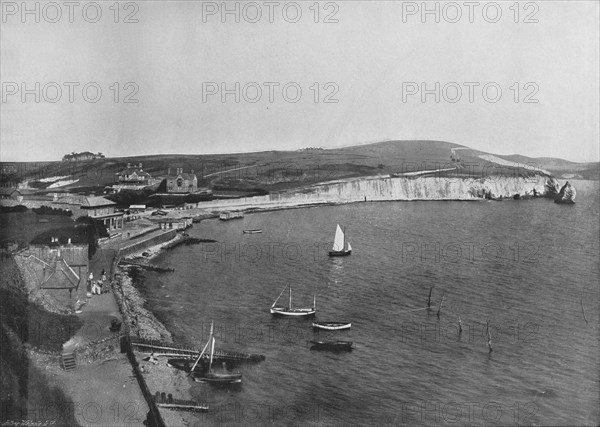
(128, 165)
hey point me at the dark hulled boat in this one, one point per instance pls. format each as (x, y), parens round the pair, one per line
(208, 375)
(332, 345)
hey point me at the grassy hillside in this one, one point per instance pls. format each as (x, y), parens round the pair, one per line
(280, 170)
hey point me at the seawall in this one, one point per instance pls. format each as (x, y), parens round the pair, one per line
(146, 243)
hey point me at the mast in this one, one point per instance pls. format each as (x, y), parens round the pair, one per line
(314, 302)
(282, 291)
(204, 349)
(290, 296)
(212, 351)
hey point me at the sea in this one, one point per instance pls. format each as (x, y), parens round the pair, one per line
(521, 277)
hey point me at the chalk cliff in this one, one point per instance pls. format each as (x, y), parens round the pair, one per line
(400, 188)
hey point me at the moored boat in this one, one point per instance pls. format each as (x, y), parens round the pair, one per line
(332, 326)
(255, 231)
(291, 311)
(332, 345)
(340, 246)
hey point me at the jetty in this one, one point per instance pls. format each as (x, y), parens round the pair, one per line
(161, 349)
(167, 401)
(125, 262)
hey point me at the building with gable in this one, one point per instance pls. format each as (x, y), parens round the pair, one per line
(134, 176)
(182, 183)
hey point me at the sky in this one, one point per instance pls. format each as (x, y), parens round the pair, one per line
(183, 77)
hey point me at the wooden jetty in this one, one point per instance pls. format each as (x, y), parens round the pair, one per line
(168, 402)
(147, 266)
(177, 351)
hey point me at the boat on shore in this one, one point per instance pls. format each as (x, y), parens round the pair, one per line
(254, 231)
(332, 326)
(291, 311)
(332, 345)
(208, 375)
(340, 246)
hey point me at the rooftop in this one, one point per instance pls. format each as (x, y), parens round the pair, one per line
(7, 191)
(130, 171)
(92, 202)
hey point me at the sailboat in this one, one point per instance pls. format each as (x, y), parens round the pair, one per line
(289, 310)
(209, 376)
(340, 246)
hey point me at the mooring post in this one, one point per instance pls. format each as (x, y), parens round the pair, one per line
(487, 326)
(459, 326)
(429, 299)
(583, 311)
(440, 307)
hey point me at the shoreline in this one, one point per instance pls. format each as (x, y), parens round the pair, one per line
(144, 323)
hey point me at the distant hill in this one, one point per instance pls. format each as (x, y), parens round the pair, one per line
(281, 170)
(561, 168)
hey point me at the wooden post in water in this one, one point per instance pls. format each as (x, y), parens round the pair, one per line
(487, 326)
(440, 307)
(583, 311)
(459, 326)
(429, 299)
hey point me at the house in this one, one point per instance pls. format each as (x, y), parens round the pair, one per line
(137, 208)
(176, 223)
(181, 182)
(59, 269)
(134, 176)
(8, 193)
(103, 210)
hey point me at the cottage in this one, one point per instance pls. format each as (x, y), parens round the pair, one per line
(176, 223)
(137, 208)
(10, 194)
(102, 209)
(60, 269)
(181, 182)
(134, 175)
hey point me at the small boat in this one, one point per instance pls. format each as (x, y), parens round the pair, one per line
(255, 231)
(332, 326)
(332, 345)
(289, 310)
(209, 376)
(340, 246)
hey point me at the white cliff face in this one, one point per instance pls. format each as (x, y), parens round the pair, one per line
(387, 189)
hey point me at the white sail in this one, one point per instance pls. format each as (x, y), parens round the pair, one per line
(204, 349)
(349, 247)
(338, 243)
(212, 352)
